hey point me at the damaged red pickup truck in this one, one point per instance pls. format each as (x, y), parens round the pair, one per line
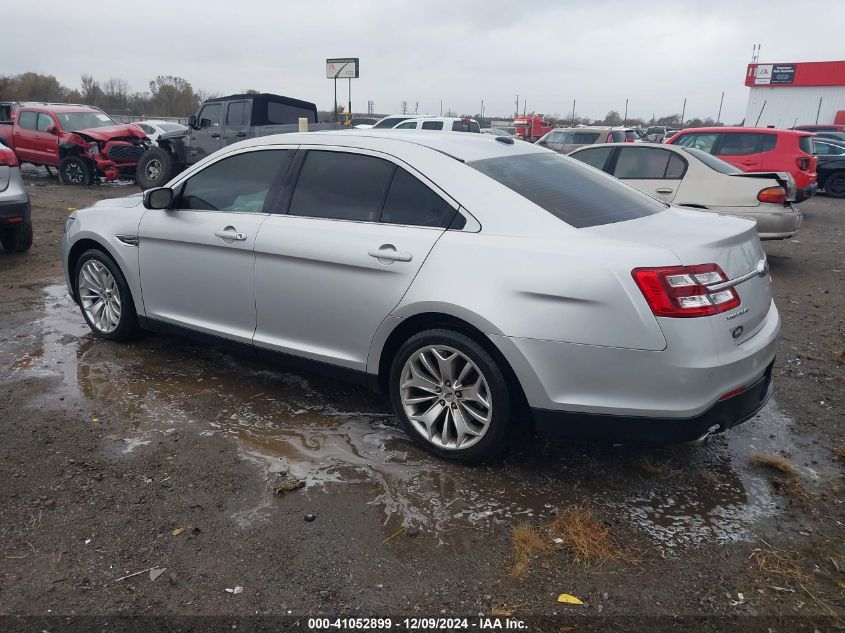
(82, 142)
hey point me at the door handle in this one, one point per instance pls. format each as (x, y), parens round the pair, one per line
(241, 134)
(215, 135)
(387, 254)
(231, 234)
(663, 190)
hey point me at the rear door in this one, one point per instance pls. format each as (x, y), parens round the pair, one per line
(25, 136)
(653, 170)
(743, 149)
(235, 122)
(196, 260)
(328, 272)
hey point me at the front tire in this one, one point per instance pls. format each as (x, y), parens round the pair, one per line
(104, 297)
(834, 186)
(154, 169)
(451, 396)
(75, 170)
(18, 239)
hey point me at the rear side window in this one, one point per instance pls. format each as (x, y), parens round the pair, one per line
(716, 164)
(704, 142)
(432, 125)
(474, 127)
(409, 201)
(740, 144)
(238, 184)
(26, 120)
(596, 157)
(236, 114)
(769, 142)
(280, 113)
(645, 163)
(569, 190)
(805, 144)
(341, 186)
(585, 138)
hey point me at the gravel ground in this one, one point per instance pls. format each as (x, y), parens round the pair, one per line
(164, 454)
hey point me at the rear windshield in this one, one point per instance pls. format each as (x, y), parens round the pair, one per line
(805, 143)
(711, 161)
(579, 195)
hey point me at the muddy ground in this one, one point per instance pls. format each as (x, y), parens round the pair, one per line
(163, 454)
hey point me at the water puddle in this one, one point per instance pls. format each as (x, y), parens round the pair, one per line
(334, 436)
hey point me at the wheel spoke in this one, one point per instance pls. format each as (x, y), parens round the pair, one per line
(429, 418)
(418, 381)
(429, 367)
(446, 365)
(473, 394)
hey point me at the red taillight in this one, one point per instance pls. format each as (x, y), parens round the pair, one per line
(772, 194)
(681, 291)
(732, 393)
(803, 163)
(8, 158)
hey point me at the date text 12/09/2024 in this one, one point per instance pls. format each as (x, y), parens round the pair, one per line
(481, 623)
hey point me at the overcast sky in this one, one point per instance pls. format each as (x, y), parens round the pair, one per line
(598, 52)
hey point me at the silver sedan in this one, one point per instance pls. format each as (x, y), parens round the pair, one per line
(482, 284)
(15, 215)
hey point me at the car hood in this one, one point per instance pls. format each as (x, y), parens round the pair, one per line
(126, 202)
(110, 132)
(174, 134)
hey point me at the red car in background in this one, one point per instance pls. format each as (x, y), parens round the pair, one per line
(758, 149)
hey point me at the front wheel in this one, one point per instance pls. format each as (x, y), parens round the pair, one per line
(834, 186)
(18, 239)
(104, 297)
(75, 170)
(451, 396)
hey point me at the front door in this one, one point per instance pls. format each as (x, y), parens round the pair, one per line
(205, 138)
(652, 170)
(196, 260)
(330, 271)
(47, 143)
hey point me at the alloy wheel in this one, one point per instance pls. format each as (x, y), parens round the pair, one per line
(835, 186)
(153, 169)
(446, 397)
(73, 173)
(100, 296)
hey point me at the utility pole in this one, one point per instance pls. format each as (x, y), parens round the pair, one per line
(719, 116)
(404, 107)
(684, 111)
(516, 112)
(482, 109)
(625, 119)
(371, 107)
(441, 107)
(573, 112)
(349, 111)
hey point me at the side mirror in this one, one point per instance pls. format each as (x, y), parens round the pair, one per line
(52, 129)
(192, 121)
(158, 198)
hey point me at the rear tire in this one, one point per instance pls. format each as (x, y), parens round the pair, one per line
(104, 297)
(451, 396)
(75, 170)
(19, 239)
(154, 169)
(834, 186)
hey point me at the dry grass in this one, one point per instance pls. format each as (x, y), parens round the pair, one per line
(588, 541)
(526, 543)
(778, 566)
(839, 453)
(774, 462)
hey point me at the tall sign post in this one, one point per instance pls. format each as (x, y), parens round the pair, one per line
(344, 68)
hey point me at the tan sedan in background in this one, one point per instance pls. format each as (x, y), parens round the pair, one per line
(688, 177)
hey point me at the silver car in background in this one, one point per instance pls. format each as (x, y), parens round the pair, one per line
(478, 281)
(15, 211)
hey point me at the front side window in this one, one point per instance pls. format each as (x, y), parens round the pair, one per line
(569, 190)
(828, 149)
(616, 137)
(27, 120)
(740, 144)
(595, 156)
(390, 122)
(210, 115)
(407, 125)
(704, 142)
(341, 186)
(239, 184)
(432, 125)
(409, 201)
(44, 121)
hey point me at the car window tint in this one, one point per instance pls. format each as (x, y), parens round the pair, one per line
(275, 113)
(44, 121)
(238, 184)
(210, 115)
(676, 168)
(432, 125)
(235, 114)
(407, 125)
(716, 164)
(641, 162)
(805, 144)
(148, 129)
(585, 138)
(390, 122)
(740, 144)
(568, 189)
(616, 137)
(474, 127)
(341, 186)
(27, 120)
(597, 157)
(769, 141)
(409, 201)
(704, 142)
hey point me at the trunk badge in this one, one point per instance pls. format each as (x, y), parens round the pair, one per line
(737, 331)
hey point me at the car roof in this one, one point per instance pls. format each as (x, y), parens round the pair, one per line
(463, 147)
(752, 130)
(440, 118)
(59, 109)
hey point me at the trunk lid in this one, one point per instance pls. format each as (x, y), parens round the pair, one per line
(697, 237)
(783, 178)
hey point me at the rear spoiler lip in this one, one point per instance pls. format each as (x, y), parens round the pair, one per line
(783, 177)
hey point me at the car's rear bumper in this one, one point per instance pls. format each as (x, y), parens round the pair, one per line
(723, 415)
(805, 193)
(14, 211)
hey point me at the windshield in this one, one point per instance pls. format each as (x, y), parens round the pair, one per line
(171, 127)
(711, 161)
(74, 121)
(578, 194)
